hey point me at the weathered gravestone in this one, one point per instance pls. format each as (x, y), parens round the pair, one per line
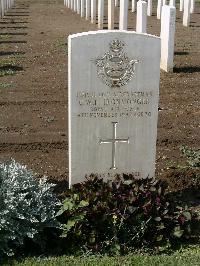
(113, 103)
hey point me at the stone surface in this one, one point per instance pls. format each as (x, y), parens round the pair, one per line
(93, 10)
(159, 8)
(88, 9)
(123, 14)
(111, 11)
(75, 5)
(149, 7)
(100, 13)
(192, 6)
(116, 3)
(172, 3)
(113, 103)
(167, 38)
(78, 5)
(141, 20)
(82, 8)
(181, 5)
(186, 13)
(133, 6)
(2, 8)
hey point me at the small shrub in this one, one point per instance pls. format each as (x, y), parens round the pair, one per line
(116, 216)
(27, 206)
(193, 156)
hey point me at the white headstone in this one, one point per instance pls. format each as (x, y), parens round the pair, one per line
(2, 8)
(75, 5)
(116, 3)
(88, 9)
(186, 13)
(78, 6)
(168, 20)
(149, 8)
(172, 3)
(159, 8)
(72, 4)
(133, 6)
(82, 8)
(113, 103)
(93, 11)
(123, 14)
(111, 11)
(181, 5)
(192, 6)
(141, 20)
(100, 13)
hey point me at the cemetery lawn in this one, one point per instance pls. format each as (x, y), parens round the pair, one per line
(33, 90)
(185, 257)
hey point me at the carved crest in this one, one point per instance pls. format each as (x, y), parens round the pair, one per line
(114, 68)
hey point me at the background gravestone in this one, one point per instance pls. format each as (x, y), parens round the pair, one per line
(113, 103)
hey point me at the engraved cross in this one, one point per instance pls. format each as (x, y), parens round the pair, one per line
(114, 141)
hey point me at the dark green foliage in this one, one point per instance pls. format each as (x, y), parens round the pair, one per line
(114, 217)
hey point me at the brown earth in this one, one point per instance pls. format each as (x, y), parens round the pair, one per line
(33, 101)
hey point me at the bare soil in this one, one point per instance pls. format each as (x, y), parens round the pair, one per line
(33, 101)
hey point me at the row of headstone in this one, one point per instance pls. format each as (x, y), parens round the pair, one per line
(167, 23)
(4, 6)
(90, 8)
(187, 6)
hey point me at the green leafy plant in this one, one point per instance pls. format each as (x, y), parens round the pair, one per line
(192, 156)
(27, 206)
(115, 216)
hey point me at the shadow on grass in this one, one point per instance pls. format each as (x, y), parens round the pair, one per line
(188, 69)
(2, 53)
(14, 33)
(181, 53)
(13, 22)
(2, 42)
(7, 70)
(15, 28)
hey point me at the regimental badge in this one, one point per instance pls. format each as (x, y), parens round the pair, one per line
(114, 68)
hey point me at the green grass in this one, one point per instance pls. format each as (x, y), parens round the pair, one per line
(4, 85)
(7, 72)
(184, 257)
(4, 36)
(9, 65)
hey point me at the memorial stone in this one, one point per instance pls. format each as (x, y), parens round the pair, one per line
(186, 13)
(88, 9)
(168, 19)
(123, 14)
(111, 11)
(181, 5)
(133, 6)
(82, 8)
(78, 7)
(113, 104)
(149, 7)
(100, 13)
(172, 3)
(159, 8)
(141, 20)
(93, 11)
(192, 6)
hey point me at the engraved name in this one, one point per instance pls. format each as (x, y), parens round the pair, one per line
(115, 104)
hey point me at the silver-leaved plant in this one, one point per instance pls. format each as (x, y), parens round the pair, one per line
(27, 206)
